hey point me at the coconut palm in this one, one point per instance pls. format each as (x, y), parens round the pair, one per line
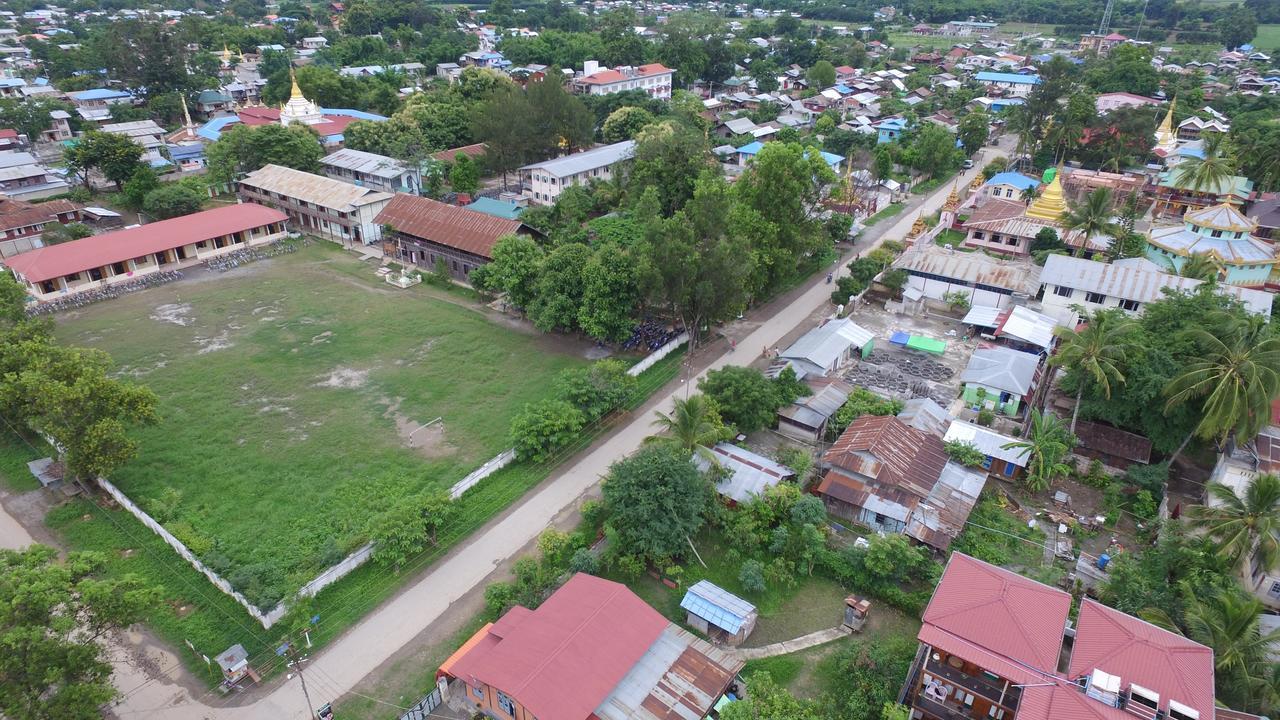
(1098, 352)
(1235, 380)
(1227, 621)
(1211, 171)
(1029, 194)
(1245, 528)
(1090, 218)
(1200, 266)
(1048, 444)
(691, 425)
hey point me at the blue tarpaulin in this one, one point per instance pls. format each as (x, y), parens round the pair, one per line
(899, 338)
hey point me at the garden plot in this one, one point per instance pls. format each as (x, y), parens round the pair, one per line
(300, 400)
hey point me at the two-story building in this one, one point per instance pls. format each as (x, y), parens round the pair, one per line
(21, 223)
(124, 255)
(655, 79)
(544, 181)
(993, 646)
(318, 205)
(1008, 84)
(1222, 234)
(592, 651)
(23, 177)
(1069, 282)
(371, 170)
(428, 233)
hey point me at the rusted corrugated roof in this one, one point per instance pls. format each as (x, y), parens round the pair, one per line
(891, 452)
(447, 225)
(1113, 441)
(1020, 276)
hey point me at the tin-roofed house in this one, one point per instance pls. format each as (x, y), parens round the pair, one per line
(745, 474)
(723, 617)
(319, 205)
(806, 419)
(545, 181)
(1001, 461)
(429, 234)
(823, 349)
(371, 170)
(999, 378)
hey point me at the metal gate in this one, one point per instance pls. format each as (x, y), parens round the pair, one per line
(422, 709)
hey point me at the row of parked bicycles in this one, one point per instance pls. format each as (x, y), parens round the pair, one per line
(244, 256)
(105, 292)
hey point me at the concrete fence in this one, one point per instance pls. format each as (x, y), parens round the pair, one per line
(495, 464)
(653, 357)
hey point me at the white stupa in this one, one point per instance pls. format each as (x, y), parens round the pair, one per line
(299, 109)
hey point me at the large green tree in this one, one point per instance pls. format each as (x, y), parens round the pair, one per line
(56, 614)
(115, 156)
(243, 149)
(1047, 444)
(746, 398)
(657, 500)
(1245, 527)
(1211, 171)
(610, 294)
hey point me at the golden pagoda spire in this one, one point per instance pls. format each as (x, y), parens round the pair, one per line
(918, 226)
(953, 200)
(1166, 138)
(296, 92)
(1051, 203)
(226, 55)
(978, 180)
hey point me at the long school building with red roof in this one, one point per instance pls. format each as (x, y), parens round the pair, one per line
(56, 271)
(992, 648)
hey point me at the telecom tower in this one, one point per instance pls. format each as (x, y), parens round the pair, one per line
(1104, 27)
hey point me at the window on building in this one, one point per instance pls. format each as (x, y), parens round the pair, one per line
(996, 238)
(73, 277)
(118, 268)
(1094, 297)
(1216, 233)
(978, 235)
(1011, 240)
(1275, 589)
(1062, 291)
(506, 704)
(478, 693)
(1130, 305)
(986, 462)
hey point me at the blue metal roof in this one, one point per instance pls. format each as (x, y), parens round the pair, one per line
(832, 158)
(751, 148)
(183, 152)
(717, 606)
(496, 208)
(843, 89)
(988, 76)
(213, 129)
(1015, 179)
(98, 94)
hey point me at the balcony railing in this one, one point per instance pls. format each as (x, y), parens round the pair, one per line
(990, 689)
(941, 711)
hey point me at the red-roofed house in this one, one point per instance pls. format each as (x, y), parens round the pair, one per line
(592, 650)
(654, 78)
(992, 644)
(124, 255)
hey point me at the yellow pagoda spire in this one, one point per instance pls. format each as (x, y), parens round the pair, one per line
(296, 92)
(1051, 203)
(953, 200)
(226, 55)
(918, 226)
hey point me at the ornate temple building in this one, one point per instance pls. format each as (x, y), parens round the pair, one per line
(1009, 226)
(329, 123)
(1223, 235)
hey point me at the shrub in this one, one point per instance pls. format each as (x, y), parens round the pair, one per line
(628, 566)
(498, 598)
(1097, 476)
(956, 300)
(965, 454)
(544, 427)
(986, 416)
(895, 279)
(751, 576)
(584, 560)
(846, 287)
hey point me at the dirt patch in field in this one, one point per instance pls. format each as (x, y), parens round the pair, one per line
(347, 378)
(221, 341)
(425, 438)
(322, 338)
(176, 313)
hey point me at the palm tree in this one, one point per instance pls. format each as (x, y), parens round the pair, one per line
(1227, 621)
(1237, 375)
(1211, 171)
(1245, 528)
(1200, 266)
(1048, 443)
(1098, 351)
(690, 426)
(1029, 194)
(1091, 218)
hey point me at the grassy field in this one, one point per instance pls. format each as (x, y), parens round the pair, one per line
(291, 391)
(889, 211)
(1268, 38)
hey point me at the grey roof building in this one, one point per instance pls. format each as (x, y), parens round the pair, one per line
(371, 170)
(718, 613)
(747, 474)
(822, 349)
(1001, 369)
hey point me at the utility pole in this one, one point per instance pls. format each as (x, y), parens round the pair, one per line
(296, 662)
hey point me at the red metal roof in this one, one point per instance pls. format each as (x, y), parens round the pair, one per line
(79, 255)
(1139, 652)
(448, 225)
(1001, 611)
(563, 659)
(332, 124)
(8, 134)
(605, 77)
(903, 456)
(474, 152)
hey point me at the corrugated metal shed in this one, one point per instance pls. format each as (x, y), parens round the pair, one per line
(973, 269)
(680, 678)
(983, 316)
(823, 346)
(987, 441)
(447, 225)
(889, 451)
(1029, 326)
(926, 415)
(748, 474)
(941, 516)
(717, 606)
(365, 162)
(1004, 369)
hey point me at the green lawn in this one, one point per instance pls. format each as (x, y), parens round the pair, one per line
(950, 237)
(288, 390)
(1268, 38)
(889, 211)
(935, 42)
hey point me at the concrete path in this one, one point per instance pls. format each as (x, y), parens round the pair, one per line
(786, 647)
(339, 667)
